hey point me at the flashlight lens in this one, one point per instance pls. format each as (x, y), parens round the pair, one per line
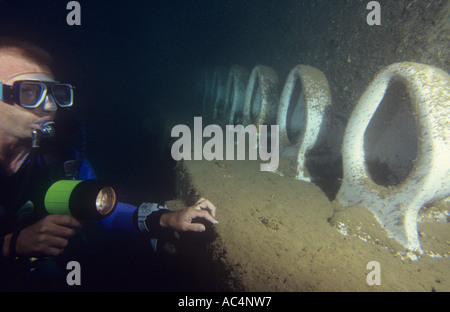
(106, 200)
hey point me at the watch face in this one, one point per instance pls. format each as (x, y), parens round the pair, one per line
(146, 209)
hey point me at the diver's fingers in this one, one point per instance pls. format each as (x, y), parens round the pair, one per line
(199, 201)
(202, 214)
(194, 227)
(197, 227)
(206, 204)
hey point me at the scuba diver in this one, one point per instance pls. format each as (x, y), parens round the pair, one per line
(35, 153)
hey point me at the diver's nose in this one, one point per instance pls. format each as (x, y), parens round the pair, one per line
(49, 103)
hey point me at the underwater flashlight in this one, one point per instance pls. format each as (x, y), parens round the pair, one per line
(82, 199)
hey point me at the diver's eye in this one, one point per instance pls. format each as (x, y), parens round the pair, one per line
(29, 93)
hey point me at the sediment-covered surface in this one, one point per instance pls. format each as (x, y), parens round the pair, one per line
(280, 234)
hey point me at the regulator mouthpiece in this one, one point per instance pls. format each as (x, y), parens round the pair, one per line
(84, 200)
(48, 130)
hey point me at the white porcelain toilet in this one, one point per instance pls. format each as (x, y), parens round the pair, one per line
(207, 87)
(212, 86)
(396, 149)
(261, 97)
(300, 115)
(220, 88)
(235, 93)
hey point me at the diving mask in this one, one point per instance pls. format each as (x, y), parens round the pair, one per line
(31, 93)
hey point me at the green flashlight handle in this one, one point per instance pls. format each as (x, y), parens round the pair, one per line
(58, 197)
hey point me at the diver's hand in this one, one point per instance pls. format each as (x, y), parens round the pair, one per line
(47, 237)
(181, 220)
